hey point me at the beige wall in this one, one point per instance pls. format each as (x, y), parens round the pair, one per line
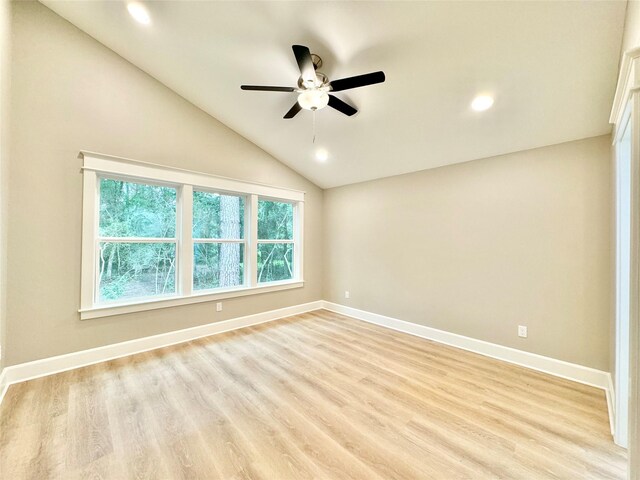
(474, 248)
(482, 247)
(72, 93)
(5, 100)
(631, 35)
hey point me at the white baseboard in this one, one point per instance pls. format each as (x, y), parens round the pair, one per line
(3, 383)
(558, 368)
(48, 366)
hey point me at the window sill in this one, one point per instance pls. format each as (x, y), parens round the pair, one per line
(153, 304)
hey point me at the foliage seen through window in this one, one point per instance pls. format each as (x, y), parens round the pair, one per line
(133, 269)
(275, 258)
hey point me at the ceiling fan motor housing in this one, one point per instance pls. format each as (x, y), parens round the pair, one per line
(317, 61)
(321, 82)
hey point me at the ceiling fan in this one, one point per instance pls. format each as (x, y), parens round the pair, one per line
(314, 86)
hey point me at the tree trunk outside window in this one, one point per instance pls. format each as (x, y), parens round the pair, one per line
(229, 252)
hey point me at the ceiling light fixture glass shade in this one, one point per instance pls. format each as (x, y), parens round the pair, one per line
(313, 99)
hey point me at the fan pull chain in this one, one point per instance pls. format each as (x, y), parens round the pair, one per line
(314, 127)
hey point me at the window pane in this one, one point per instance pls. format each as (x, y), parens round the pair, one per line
(275, 262)
(130, 209)
(217, 265)
(133, 270)
(275, 220)
(218, 216)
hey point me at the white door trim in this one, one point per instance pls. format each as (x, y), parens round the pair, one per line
(622, 159)
(627, 95)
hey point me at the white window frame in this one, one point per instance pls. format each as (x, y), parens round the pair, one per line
(96, 166)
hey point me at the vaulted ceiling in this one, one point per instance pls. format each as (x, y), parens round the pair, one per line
(551, 67)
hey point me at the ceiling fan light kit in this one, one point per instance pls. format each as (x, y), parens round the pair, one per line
(313, 99)
(314, 86)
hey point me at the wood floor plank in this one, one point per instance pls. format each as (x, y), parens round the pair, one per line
(403, 367)
(314, 396)
(520, 425)
(451, 407)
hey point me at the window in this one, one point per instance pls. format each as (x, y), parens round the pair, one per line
(275, 241)
(136, 240)
(218, 245)
(155, 236)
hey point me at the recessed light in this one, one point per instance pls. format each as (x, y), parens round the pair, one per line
(139, 12)
(482, 103)
(322, 155)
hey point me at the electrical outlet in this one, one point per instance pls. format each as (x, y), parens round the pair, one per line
(522, 331)
(347, 294)
(219, 307)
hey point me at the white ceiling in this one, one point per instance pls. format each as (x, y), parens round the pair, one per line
(551, 66)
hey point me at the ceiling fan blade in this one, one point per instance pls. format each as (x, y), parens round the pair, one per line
(294, 110)
(267, 89)
(303, 57)
(341, 106)
(357, 81)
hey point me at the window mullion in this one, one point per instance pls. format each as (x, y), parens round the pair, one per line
(218, 240)
(279, 240)
(96, 279)
(298, 233)
(185, 240)
(137, 239)
(252, 247)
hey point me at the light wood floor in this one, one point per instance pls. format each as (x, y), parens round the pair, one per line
(312, 396)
